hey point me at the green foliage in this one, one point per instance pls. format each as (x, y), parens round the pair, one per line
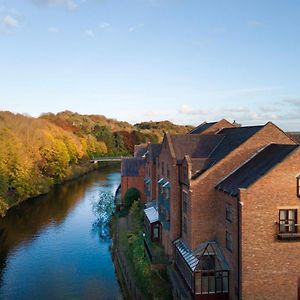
(155, 284)
(38, 152)
(136, 215)
(131, 195)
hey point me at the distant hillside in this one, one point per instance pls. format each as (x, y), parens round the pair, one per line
(39, 152)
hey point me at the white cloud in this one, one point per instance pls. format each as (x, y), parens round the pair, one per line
(293, 101)
(69, 4)
(10, 22)
(90, 33)
(153, 114)
(134, 28)
(187, 110)
(53, 30)
(104, 25)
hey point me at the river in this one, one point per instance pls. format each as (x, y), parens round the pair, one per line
(57, 246)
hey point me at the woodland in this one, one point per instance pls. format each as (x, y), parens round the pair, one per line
(37, 153)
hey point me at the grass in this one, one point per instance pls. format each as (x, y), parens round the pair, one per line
(154, 284)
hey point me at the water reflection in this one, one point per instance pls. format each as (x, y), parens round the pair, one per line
(103, 210)
(46, 249)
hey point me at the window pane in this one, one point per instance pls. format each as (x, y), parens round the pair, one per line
(282, 226)
(204, 284)
(219, 279)
(291, 214)
(155, 232)
(212, 287)
(198, 283)
(282, 214)
(291, 226)
(225, 283)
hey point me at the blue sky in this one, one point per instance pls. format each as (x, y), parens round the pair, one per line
(134, 60)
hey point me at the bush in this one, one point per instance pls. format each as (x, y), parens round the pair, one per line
(131, 195)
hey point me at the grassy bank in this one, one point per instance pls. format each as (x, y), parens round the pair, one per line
(153, 284)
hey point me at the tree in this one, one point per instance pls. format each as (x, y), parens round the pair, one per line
(131, 195)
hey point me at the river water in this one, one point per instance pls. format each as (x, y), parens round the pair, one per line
(57, 246)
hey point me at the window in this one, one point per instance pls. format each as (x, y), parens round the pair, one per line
(287, 220)
(298, 187)
(167, 215)
(156, 231)
(228, 241)
(184, 225)
(185, 174)
(167, 193)
(184, 202)
(228, 212)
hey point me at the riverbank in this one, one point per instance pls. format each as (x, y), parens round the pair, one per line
(57, 246)
(138, 279)
(79, 170)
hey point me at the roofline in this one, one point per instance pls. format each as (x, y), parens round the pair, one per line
(270, 122)
(197, 127)
(199, 175)
(246, 161)
(170, 142)
(286, 157)
(262, 176)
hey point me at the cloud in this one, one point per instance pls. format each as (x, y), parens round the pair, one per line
(104, 25)
(10, 22)
(293, 101)
(54, 30)
(134, 28)
(69, 4)
(254, 24)
(90, 33)
(187, 110)
(236, 110)
(153, 114)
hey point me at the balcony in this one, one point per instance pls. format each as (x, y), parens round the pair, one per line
(289, 236)
(288, 232)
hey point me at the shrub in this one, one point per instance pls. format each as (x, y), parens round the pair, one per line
(131, 195)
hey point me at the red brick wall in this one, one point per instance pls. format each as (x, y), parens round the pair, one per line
(169, 162)
(203, 204)
(270, 268)
(223, 225)
(137, 182)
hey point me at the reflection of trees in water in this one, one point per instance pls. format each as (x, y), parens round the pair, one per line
(24, 223)
(103, 209)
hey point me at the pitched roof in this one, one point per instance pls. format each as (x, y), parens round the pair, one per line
(295, 136)
(199, 129)
(154, 150)
(151, 214)
(196, 259)
(196, 146)
(232, 138)
(130, 166)
(140, 150)
(255, 168)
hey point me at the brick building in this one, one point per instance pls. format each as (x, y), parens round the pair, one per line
(151, 155)
(203, 219)
(133, 172)
(226, 209)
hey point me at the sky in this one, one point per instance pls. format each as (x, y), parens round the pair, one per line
(187, 61)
